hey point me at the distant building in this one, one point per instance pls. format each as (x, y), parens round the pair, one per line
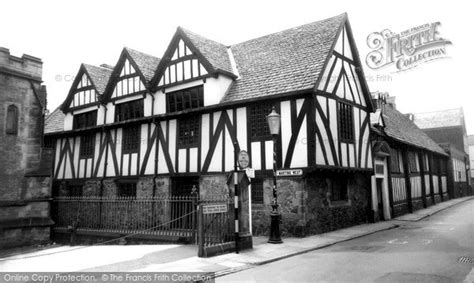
(25, 165)
(470, 140)
(448, 129)
(410, 168)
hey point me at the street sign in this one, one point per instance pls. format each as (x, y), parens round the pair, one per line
(243, 159)
(289, 172)
(214, 208)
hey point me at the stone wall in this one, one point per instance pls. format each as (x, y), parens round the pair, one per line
(306, 207)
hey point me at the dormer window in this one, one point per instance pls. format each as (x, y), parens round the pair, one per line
(189, 98)
(129, 110)
(85, 120)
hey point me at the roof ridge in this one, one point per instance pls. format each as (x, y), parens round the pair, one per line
(288, 29)
(185, 30)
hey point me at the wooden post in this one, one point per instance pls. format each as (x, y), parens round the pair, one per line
(421, 160)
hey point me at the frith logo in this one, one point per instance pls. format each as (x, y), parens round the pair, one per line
(407, 49)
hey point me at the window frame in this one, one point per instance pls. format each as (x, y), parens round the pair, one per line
(340, 181)
(184, 126)
(186, 98)
(258, 128)
(345, 122)
(258, 192)
(87, 147)
(127, 189)
(89, 120)
(131, 136)
(135, 109)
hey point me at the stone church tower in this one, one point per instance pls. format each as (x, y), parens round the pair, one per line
(25, 164)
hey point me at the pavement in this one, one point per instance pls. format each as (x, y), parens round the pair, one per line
(182, 258)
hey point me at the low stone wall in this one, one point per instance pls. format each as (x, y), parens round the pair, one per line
(400, 209)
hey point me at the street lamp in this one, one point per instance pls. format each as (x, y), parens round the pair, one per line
(274, 120)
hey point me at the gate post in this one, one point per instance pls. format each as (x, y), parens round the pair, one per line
(200, 228)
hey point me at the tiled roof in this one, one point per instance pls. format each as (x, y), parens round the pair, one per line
(287, 61)
(214, 52)
(54, 122)
(398, 126)
(145, 62)
(99, 76)
(440, 119)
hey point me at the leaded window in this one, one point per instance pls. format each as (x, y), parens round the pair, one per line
(85, 120)
(257, 120)
(86, 150)
(394, 161)
(412, 162)
(257, 191)
(188, 133)
(129, 110)
(189, 98)
(131, 139)
(346, 125)
(127, 189)
(338, 188)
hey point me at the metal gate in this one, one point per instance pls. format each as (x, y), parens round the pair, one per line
(215, 227)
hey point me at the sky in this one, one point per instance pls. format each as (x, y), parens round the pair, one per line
(65, 34)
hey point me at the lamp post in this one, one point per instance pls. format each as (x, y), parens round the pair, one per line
(274, 120)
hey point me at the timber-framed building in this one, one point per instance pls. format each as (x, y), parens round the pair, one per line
(161, 127)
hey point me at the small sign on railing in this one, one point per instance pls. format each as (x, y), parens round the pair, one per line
(214, 208)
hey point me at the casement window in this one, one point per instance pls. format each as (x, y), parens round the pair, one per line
(129, 110)
(189, 98)
(346, 124)
(131, 139)
(85, 120)
(413, 162)
(257, 191)
(394, 161)
(188, 131)
(338, 188)
(74, 190)
(257, 120)
(127, 189)
(86, 150)
(12, 120)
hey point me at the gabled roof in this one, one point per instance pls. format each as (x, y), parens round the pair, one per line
(399, 127)
(99, 76)
(287, 61)
(147, 64)
(54, 122)
(440, 119)
(145, 67)
(215, 52)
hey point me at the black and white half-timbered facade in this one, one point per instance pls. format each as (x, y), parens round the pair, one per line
(151, 127)
(410, 169)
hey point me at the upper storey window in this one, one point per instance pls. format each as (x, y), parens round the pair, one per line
(258, 120)
(85, 92)
(85, 120)
(346, 124)
(129, 81)
(189, 98)
(184, 66)
(129, 110)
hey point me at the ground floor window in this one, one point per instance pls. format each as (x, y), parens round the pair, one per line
(257, 191)
(74, 190)
(127, 189)
(338, 188)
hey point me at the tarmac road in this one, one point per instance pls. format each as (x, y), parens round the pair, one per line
(439, 248)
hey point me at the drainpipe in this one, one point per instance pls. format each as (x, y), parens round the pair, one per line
(105, 165)
(156, 155)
